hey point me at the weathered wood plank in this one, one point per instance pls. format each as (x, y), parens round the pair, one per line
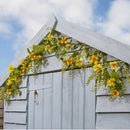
(47, 81)
(110, 58)
(31, 111)
(24, 82)
(1, 113)
(23, 96)
(38, 110)
(47, 113)
(57, 100)
(53, 64)
(113, 121)
(36, 82)
(1, 122)
(104, 104)
(14, 126)
(16, 106)
(89, 102)
(67, 102)
(78, 99)
(2, 105)
(47, 102)
(15, 117)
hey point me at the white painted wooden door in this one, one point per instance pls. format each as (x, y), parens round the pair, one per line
(62, 102)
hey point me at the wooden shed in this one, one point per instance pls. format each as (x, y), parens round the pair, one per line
(65, 102)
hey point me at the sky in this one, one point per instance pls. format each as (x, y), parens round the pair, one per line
(20, 20)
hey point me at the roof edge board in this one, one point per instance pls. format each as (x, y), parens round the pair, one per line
(108, 45)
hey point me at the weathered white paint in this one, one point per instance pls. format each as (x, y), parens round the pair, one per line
(47, 109)
(67, 102)
(35, 82)
(38, 110)
(31, 110)
(57, 100)
(15, 117)
(20, 97)
(78, 99)
(53, 65)
(15, 126)
(16, 106)
(104, 104)
(24, 82)
(15, 113)
(61, 101)
(90, 102)
(113, 121)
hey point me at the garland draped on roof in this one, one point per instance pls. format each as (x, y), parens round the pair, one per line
(73, 55)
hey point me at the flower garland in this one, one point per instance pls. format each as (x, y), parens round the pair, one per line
(73, 55)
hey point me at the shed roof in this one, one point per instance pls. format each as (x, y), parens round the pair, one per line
(105, 44)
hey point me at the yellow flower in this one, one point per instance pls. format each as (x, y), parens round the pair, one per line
(113, 65)
(21, 72)
(94, 59)
(22, 63)
(47, 48)
(49, 36)
(32, 56)
(17, 79)
(111, 82)
(10, 68)
(9, 82)
(97, 67)
(23, 69)
(30, 65)
(68, 47)
(39, 57)
(69, 61)
(115, 93)
(8, 91)
(63, 40)
(79, 63)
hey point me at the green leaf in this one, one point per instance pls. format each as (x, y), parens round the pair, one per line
(54, 49)
(64, 51)
(16, 71)
(28, 50)
(118, 86)
(11, 75)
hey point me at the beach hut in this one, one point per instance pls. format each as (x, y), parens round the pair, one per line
(51, 100)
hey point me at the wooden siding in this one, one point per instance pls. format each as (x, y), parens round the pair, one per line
(113, 114)
(53, 65)
(15, 113)
(63, 102)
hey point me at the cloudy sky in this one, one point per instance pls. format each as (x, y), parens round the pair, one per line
(21, 19)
